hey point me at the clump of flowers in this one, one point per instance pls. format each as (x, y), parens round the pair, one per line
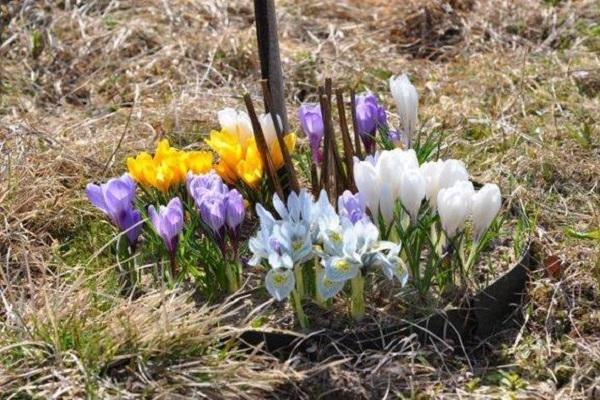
(168, 167)
(397, 212)
(311, 239)
(239, 158)
(222, 211)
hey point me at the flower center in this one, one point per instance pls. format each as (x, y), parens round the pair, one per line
(279, 280)
(342, 265)
(297, 245)
(336, 237)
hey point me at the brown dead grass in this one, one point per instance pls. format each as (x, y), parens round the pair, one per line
(511, 83)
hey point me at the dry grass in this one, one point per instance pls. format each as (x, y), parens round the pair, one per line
(514, 86)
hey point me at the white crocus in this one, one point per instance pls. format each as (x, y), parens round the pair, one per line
(268, 128)
(379, 181)
(486, 204)
(454, 206)
(368, 183)
(412, 192)
(236, 123)
(453, 171)
(442, 174)
(407, 101)
(431, 172)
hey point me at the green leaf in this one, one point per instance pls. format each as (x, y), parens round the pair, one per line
(593, 235)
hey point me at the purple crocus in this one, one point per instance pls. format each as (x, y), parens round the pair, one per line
(311, 121)
(236, 211)
(200, 185)
(369, 116)
(352, 207)
(213, 211)
(115, 199)
(168, 223)
(218, 206)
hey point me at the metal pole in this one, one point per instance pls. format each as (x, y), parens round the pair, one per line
(270, 61)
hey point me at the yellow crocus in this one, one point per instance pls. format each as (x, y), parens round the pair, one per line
(141, 168)
(250, 169)
(227, 146)
(199, 162)
(168, 167)
(242, 160)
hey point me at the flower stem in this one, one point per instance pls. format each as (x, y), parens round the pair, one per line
(299, 275)
(357, 302)
(233, 281)
(318, 298)
(302, 318)
(173, 263)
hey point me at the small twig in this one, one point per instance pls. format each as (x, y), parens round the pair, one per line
(346, 141)
(357, 149)
(287, 159)
(263, 148)
(341, 181)
(324, 182)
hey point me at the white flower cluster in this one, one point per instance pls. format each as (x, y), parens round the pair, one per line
(343, 243)
(393, 175)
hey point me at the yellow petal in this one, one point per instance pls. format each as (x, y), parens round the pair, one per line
(139, 167)
(228, 147)
(228, 175)
(250, 172)
(165, 177)
(276, 155)
(163, 151)
(199, 162)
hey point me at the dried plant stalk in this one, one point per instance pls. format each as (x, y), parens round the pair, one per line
(263, 148)
(287, 159)
(346, 141)
(357, 149)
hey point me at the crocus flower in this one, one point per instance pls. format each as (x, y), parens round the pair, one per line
(369, 116)
(115, 199)
(236, 123)
(352, 206)
(236, 211)
(213, 209)
(486, 204)
(412, 192)
(454, 206)
(267, 124)
(407, 100)
(442, 174)
(168, 222)
(379, 183)
(239, 158)
(168, 167)
(280, 282)
(452, 172)
(398, 139)
(200, 185)
(311, 121)
(359, 242)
